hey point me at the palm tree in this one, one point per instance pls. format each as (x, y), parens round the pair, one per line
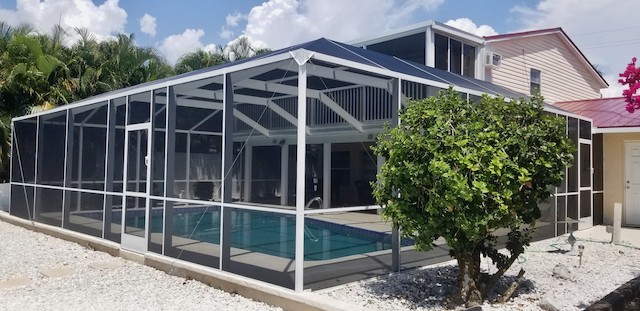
(36, 77)
(126, 64)
(39, 71)
(85, 61)
(199, 59)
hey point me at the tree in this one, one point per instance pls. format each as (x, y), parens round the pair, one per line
(462, 170)
(631, 77)
(238, 49)
(124, 64)
(39, 71)
(199, 59)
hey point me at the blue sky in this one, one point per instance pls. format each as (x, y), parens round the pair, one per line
(605, 30)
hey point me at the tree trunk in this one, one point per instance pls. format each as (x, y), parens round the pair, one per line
(468, 290)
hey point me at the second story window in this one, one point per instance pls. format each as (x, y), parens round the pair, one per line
(454, 56)
(535, 81)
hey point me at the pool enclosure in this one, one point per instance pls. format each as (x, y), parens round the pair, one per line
(261, 167)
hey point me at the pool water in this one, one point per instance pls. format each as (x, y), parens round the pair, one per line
(273, 234)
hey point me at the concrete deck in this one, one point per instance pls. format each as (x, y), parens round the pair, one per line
(628, 236)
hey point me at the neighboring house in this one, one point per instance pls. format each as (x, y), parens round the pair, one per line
(546, 60)
(617, 135)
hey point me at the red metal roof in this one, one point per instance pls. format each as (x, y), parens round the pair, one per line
(605, 112)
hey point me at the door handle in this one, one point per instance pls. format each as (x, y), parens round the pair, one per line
(146, 160)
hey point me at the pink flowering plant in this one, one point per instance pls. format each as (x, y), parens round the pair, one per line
(631, 77)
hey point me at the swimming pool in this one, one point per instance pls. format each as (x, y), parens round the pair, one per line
(272, 234)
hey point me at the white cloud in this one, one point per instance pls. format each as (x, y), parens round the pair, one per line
(602, 29)
(407, 8)
(615, 88)
(280, 23)
(226, 33)
(148, 24)
(103, 20)
(234, 19)
(174, 46)
(467, 25)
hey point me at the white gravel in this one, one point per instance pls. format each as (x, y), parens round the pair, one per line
(604, 268)
(127, 286)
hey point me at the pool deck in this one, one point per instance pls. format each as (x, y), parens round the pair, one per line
(373, 222)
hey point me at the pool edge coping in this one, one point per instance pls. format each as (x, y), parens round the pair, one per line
(226, 281)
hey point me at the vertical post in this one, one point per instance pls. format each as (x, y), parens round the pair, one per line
(37, 191)
(188, 166)
(149, 162)
(79, 160)
(109, 168)
(326, 175)
(617, 223)
(12, 158)
(395, 233)
(284, 175)
(379, 163)
(169, 167)
(68, 160)
(429, 53)
(248, 172)
(300, 176)
(227, 167)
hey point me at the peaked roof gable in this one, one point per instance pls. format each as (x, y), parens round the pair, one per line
(558, 32)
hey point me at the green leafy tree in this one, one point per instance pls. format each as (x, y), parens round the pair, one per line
(199, 59)
(461, 170)
(39, 71)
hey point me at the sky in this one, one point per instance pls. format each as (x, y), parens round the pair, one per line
(606, 31)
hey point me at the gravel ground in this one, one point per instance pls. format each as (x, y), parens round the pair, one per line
(604, 268)
(127, 286)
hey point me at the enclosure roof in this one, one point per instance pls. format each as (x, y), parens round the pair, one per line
(605, 112)
(374, 59)
(338, 57)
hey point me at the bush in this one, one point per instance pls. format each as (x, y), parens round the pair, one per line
(461, 170)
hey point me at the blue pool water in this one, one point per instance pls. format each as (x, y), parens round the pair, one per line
(273, 234)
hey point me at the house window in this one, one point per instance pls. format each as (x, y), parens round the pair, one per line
(535, 81)
(442, 52)
(454, 56)
(469, 61)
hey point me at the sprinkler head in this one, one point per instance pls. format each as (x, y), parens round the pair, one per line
(580, 252)
(572, 239)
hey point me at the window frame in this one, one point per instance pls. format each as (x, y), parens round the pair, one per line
(470, 70)
(535, 82)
